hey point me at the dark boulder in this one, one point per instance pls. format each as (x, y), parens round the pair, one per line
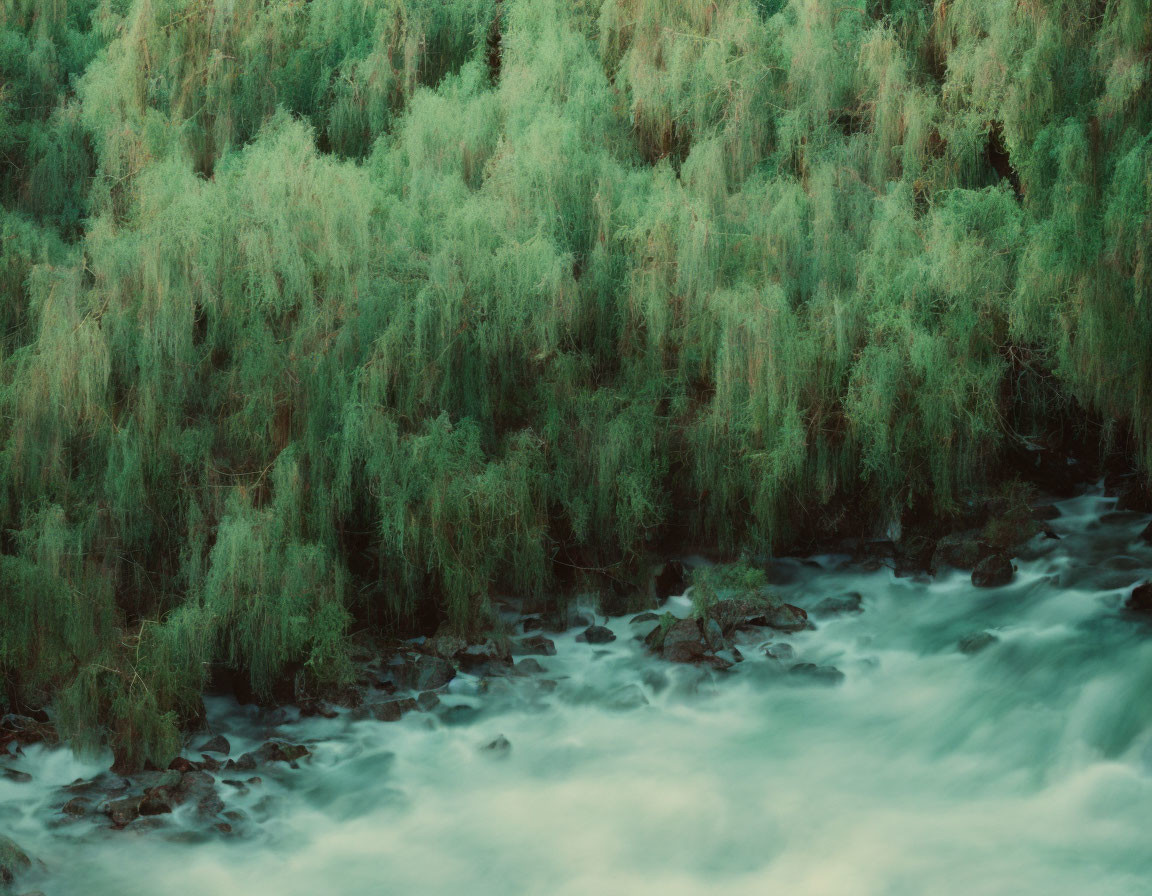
(534, 645)
(77, 807)
(217, 744)
(682, 642)
(122, 811)
(852, 602)
(993, 571)
(424, 673)
(392, 710)
(1146, 534)
(783, 618)
(959, 550)
(1140, 600)
(427, 701)
(596, 634)
(646, 616)
(976, 642)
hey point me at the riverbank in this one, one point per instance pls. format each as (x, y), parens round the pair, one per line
(972, 736)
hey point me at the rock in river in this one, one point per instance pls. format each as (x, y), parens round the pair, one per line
(993, 571)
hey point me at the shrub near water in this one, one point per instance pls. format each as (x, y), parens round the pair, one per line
(320, 312)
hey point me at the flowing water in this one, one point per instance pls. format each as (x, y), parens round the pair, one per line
(1023, 769)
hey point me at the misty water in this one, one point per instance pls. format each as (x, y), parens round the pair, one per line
(1025, 768)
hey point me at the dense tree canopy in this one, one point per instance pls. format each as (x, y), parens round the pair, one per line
(325, 311)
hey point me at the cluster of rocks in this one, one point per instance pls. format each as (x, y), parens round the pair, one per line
(709, 638)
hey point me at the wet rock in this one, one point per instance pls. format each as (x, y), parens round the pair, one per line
(183, 764)
(959, 550)
(392, 710)
(488, 656)
(424, 673)
(596, 634)
(535, 645)
(461, 714)
(779, 651)
(427, 701)
(199, 788)
(628, 697)
(783, 618)
(531, 624)
(498, 747)
(1146, 534)
(77, 807)
(13, 860)
(731, 613)
(815, 673)
(16, 775)
(122, 811)
(646, 616)
(246, 762)
(976, 642)
(209, 763)
(1140, 600)
(993, 571)
(656, 680)
(493, 687)
(852, 602)
(528, 666)
(682, 643)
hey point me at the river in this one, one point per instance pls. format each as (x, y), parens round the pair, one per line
(1025, 768)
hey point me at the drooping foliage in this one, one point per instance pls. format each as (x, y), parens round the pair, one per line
(333, 314)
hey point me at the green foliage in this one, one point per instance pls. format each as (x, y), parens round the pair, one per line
(333, 312)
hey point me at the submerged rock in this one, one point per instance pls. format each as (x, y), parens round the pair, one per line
(528, 666)
(16, 775)
(596, 634)
(993, 571)
(427, 701)
(1146, 534)
(500, 746)
(217, 744)
(628, 697)
(646, 616)
(852, 602)
(976, 642)
(815, 673)
(779, 651)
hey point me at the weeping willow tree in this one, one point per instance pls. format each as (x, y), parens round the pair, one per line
(333, 315)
